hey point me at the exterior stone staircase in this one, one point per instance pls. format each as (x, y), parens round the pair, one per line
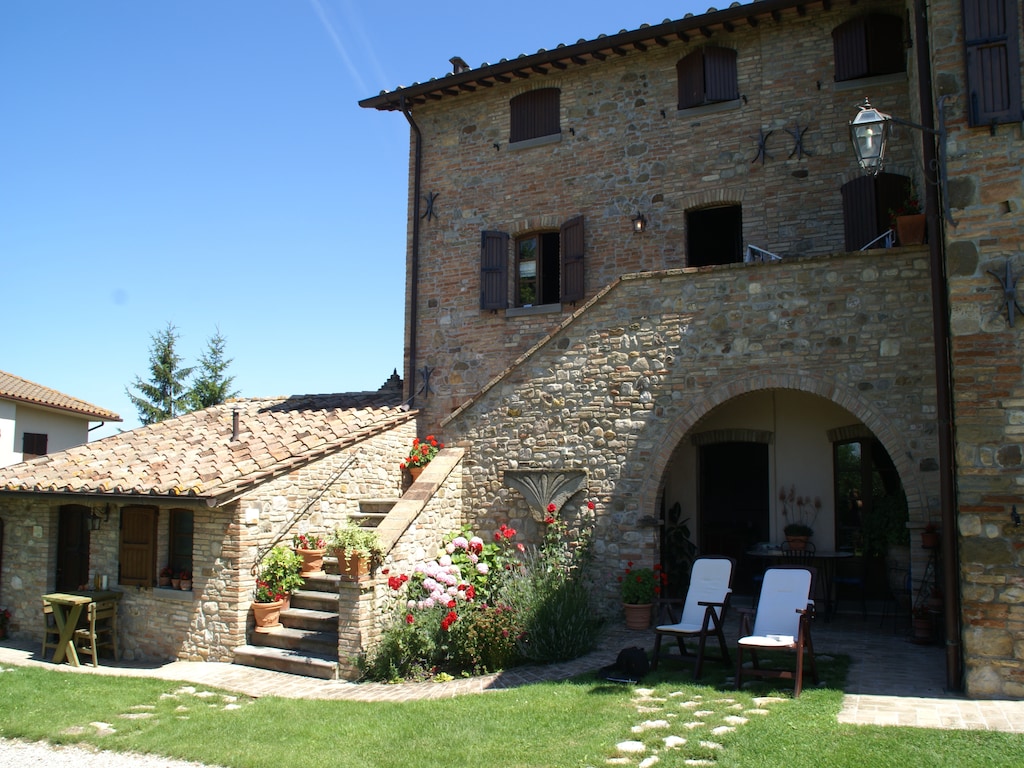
(306, 643)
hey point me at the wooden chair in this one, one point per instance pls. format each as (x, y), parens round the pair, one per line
(707, 600)
(50, 632)
(100, 631)
(782, 622)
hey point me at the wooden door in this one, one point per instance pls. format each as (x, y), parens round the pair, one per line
(734, 504)
(72, 547)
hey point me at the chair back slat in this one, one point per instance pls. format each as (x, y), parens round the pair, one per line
(784, 591)
(710, 578)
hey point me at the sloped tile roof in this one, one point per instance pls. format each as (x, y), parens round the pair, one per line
(691, 27)
(24, 391)
(194, 455)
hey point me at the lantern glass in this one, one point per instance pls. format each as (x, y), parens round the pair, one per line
(869, 132)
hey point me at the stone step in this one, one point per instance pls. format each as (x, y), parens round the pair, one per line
(326, 582)
(284, 660)
(304, 641)
(376, 506)
(316, 621)
(368, 519)
(315, 601)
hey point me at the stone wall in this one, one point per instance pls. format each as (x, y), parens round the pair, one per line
(987, 197)
(624, 147)
(617, 388)
(412, 534)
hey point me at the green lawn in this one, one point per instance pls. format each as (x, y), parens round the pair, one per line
(575, 723)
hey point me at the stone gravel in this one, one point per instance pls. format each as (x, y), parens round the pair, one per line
(15, 753)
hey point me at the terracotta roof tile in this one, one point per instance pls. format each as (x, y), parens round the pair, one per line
(24, 391)
(194, 454)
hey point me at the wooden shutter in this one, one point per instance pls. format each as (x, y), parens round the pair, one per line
(991, 41)
(720, 75)
(869, 45)
(571, 248)
(33, 444)
(535, 113)
(493, 270)
(867, 201)
(690, 75)
(138, 546)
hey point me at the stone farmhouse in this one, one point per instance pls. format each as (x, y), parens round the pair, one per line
(644, 271)
(647, 270)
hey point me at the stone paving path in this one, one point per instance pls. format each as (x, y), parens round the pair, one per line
(891, 681)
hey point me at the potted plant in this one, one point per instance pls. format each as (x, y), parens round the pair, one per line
(310, 548)
(421, 454)
(266, 605)
(281, 570)
(176, 580)
(640, 587)
(185, 580)
(165, 576)
(799, 512)
(358, 549)
(908, 220)
(797, 535)
(922, 625)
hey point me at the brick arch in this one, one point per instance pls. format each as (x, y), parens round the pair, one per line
(543, 223)
(848, 399)
(712, 198)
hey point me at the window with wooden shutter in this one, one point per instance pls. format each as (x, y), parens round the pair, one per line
(535, 114)
(992, 56)
(180, 534)
(493, 270)
(572, 259)
(867, 46)
(138, 546)
(867, 201)
(707, 76)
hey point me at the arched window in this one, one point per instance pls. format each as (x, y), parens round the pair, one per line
(535, 114)
(869, 45)
(707, 76)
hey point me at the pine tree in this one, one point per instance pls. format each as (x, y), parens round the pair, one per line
(211, 386)
(166, 394)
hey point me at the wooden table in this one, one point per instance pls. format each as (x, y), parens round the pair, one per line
(67, 611)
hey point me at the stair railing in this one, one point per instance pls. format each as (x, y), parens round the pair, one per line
(887, 238)
(759, 254)
(301, 513)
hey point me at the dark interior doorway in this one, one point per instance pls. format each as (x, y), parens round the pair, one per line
(714, 236)
(734, 503)
(72, 547)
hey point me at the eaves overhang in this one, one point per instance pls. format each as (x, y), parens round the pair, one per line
(584, 52)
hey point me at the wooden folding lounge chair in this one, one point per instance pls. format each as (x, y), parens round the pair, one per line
(100, 632)
(782, 622)
(707, 599)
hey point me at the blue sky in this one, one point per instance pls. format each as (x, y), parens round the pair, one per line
(205, 163)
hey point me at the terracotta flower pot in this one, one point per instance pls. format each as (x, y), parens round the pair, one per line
(638, 616)
(910, 230)
(312, 562)
(186, 585)
(352, 566)
(267, 615)
(797, 543)
(415, 472)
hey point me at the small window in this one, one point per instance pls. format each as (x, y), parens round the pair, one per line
(714, 236)
(867, 46)
(179, 542)
(707, 76)
(548, 267)
(535, 114)
(33, 444)
(537, 269)
(991, 41)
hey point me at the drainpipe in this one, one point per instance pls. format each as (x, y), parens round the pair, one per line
(943, 368)
(414, 271)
